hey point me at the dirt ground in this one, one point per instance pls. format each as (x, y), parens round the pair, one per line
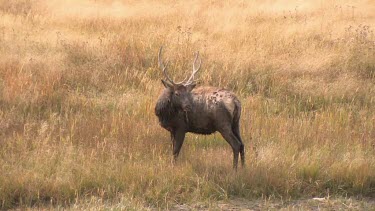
(302, 204)
(328, 203)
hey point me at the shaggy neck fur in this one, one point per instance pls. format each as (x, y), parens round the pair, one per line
(164, 108)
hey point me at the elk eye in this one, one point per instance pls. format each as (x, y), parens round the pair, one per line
(177, 94)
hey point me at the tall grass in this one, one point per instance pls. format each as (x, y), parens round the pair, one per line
(79, 80)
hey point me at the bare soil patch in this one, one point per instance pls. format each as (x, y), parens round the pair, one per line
(277, 204)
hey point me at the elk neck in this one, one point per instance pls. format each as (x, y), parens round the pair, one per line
(164, 108)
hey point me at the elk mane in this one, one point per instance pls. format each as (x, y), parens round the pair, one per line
(164, 108)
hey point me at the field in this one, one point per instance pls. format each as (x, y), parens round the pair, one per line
(79, 81)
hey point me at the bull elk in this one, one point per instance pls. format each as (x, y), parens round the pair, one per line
(183, 108)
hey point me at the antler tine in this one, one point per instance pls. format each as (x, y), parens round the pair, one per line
(195, 61)
(195, 69)
(164, 68)
(161, 65)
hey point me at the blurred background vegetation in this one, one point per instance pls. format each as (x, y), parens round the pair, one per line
(79, 81)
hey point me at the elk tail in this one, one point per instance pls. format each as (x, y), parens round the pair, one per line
(236, 114)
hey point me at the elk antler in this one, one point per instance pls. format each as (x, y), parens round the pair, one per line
(164, 69)
(195, 69)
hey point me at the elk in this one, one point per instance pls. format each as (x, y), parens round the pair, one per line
(183, 108)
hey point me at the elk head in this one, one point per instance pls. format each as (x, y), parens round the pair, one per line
(179, 92)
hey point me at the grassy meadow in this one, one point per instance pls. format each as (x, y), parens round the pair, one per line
(79, 81)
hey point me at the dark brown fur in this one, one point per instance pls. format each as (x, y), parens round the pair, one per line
(203, 110)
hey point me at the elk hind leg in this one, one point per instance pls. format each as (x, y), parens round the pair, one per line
(233, 141)
(236, 131)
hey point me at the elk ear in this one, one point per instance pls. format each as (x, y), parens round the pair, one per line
(166, 84)
(190, 87)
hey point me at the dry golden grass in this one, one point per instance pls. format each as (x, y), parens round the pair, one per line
(79, 80)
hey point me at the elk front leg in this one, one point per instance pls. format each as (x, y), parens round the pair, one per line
(172, 139)
(178, 140)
